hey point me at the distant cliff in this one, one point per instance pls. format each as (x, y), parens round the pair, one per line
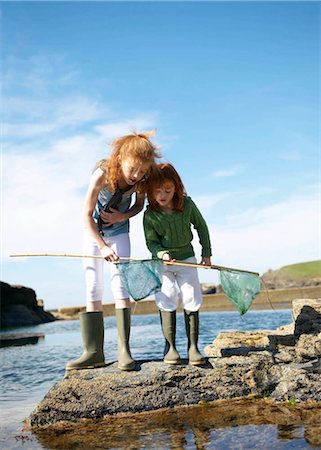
(294, 275)
(20, 307)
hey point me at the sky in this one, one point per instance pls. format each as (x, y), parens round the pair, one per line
(233, 90)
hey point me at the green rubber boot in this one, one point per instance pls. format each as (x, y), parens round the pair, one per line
(192, 330)
(125, 360)
(168, 321)
(92, 331)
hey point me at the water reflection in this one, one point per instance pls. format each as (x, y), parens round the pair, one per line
(289, 432)
(239, 424)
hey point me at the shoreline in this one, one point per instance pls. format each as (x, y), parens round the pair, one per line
(267, 299)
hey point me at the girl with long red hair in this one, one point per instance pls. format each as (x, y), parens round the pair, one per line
(107, 210)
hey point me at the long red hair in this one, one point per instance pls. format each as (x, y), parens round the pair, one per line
(160, 174)
(136, 145)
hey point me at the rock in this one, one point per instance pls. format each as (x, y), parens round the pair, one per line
(278, 364)
(18, 339)
(295, 383)
(207, 288)
(308, 347)
(286, 329)
(19, 307)
(307, 316)
(297, 342)
(152, 386)
(230, 343)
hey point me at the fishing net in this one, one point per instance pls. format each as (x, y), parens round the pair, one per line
(144, 277)
(241, 288)
(141, 278)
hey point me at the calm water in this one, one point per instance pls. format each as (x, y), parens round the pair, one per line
(29, 371)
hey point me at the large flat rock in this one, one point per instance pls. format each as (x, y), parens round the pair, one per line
(107, 391)
(284, 365)
(96, 393)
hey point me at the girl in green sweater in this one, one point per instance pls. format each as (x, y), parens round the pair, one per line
(167, 226)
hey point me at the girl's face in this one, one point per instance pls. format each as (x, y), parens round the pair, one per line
(164, 195)
(133, 170)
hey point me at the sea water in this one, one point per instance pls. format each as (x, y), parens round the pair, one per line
(29, 371)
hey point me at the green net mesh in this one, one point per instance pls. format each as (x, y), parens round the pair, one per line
(141, 278)
(241, 288)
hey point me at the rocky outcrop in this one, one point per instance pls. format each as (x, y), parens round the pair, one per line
(280, 364)
(20, 307)
(208, 288)
(299, 342)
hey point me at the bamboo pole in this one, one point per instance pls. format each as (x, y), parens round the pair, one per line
(67, 255)
(169, 263)
(203, 266)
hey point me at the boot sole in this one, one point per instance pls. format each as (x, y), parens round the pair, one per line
(173, 362)
(127, 369)
(197, 363)
(92, 366)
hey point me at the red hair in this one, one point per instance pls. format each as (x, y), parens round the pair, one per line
(160, 174)
(137, 146)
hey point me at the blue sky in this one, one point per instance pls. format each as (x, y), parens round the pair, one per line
(232, 89)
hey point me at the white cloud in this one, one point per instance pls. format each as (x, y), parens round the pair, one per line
(27, 129)
(293, 155)
(270, 237)
(112, 130)
(206, 202)
(43, 193)
(229, 172)
(33, 118)
(38, 73)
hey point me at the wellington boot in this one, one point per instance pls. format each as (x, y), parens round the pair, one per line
(125, 360)
(168, 321)
(92, 331)
(192, 330)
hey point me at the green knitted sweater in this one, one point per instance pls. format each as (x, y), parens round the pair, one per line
(171, 233)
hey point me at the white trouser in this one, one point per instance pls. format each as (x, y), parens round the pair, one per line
(94, 268)
(188, 285)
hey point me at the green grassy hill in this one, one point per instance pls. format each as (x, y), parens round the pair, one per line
(294, 275)
(305, 270)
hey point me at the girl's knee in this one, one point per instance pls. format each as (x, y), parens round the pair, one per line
(166, 303)
(192, 304)
(95, 293)
(94, 306)
(122, 303)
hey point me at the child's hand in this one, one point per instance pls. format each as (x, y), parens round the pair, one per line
(168, 259)
(206, 261)
(109, 254)
(112, 216)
